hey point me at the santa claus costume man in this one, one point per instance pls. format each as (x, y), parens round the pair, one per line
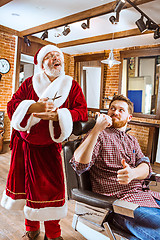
(42, 112)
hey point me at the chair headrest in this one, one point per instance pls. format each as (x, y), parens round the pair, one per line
(80, 128)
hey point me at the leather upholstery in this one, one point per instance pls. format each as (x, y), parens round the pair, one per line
(80, 128)
(93, 199)
(73, 180)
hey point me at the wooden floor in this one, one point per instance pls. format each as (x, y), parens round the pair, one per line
(12, 223)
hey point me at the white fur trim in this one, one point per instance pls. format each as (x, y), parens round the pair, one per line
(11, 204)
(40, 83)
(43, 52)
(20, 113)
(44, 88)
(66, 125)
(45, 214)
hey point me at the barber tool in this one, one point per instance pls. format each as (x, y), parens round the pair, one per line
(55, 97)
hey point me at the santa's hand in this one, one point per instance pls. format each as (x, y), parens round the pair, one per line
(47, 104)
(125, 175)
(52, 115)
(103, 121)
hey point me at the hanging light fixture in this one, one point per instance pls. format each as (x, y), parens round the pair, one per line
(110, 60)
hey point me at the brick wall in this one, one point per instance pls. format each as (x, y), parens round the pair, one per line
(111, 79)
(141, 132)
(7, 46)
(69, 65)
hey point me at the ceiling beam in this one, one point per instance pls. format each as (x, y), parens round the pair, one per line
(39, 40)
(90, 13)
(31, 38)
(101, 38)
(10, 31)
(3, 2)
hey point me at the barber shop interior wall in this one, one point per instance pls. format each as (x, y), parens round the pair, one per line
(110, 84)
(7, 46)
(69, 65)
(110, 87)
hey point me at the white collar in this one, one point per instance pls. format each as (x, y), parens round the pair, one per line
(45, 88)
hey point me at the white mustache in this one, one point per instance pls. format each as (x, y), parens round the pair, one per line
(55, 62)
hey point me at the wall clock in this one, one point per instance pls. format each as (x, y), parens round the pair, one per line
(4, 65)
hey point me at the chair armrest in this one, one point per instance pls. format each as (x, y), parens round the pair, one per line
(93, 199)
(124, 207)
(154, 177)
(102, 201)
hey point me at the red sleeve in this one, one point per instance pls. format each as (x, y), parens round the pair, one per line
(20, 95)
(77, 104)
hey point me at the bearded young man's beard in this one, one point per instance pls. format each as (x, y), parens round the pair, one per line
(118, 124)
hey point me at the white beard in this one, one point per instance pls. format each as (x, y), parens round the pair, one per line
(51, 72)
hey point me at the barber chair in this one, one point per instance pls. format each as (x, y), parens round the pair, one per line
(92, 210)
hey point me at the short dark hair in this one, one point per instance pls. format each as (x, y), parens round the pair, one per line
(120, 97)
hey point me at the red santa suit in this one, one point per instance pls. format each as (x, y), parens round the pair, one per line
(35, 180)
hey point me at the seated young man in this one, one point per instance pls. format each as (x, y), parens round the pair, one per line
(118, 166)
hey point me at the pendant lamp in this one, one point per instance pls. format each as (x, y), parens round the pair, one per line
(110, 60)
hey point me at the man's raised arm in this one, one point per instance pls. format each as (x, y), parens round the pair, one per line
(83, 153)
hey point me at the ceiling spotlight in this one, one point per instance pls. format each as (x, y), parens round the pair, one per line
(119, 6)
(117, 9)
(86, 25)
(66, 30)
(141, 25)
(27, 41)
(110, 60)
(44, 35)
(150, 25)
(157, 33)
(112, 19)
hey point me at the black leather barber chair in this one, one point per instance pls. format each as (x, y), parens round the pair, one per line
(92, 210)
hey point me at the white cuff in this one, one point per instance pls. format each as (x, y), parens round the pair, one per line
(65, 123)
(11, 204)
(45, 214)
(20, 113)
